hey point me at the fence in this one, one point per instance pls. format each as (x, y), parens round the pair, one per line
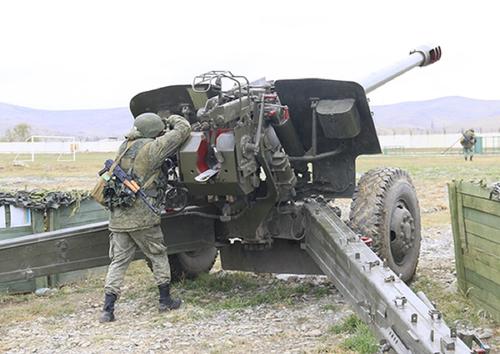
(487, 143)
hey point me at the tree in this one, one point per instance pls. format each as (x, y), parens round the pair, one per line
(20, 132)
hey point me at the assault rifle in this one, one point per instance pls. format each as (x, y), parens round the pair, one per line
(471, 140)
(129, 183)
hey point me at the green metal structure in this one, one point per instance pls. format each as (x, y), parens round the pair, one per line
(39, 221)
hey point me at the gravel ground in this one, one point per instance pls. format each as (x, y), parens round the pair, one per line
(259, 329)
(302, 326)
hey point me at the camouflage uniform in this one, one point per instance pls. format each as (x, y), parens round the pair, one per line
(138, 226)
(467, 141)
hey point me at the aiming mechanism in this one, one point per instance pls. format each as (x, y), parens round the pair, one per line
(257, 179)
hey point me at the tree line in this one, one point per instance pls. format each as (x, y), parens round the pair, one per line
(20, 132)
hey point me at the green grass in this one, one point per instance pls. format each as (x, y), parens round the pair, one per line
(430, 175)
(15, 308)
(454, 305)
(236, 290)
(86, 164)
(67, 300)
(209, 292)
(436, 167)
(359, 337)
(329, 307)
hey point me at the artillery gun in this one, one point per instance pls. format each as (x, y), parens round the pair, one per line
(258, 178)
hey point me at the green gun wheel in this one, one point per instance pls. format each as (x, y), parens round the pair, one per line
(188, 265)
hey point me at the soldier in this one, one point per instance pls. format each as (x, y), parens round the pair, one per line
(142, 154)
(467, 141)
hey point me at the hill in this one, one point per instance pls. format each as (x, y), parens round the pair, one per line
(447, 113)
(452, 114)
(95, 123)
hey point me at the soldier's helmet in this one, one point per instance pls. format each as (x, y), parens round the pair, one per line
(150, 125)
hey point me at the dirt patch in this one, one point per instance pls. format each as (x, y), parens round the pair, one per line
(297, 324)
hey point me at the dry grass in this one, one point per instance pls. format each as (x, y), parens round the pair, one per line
(429, 173)
(46, 166)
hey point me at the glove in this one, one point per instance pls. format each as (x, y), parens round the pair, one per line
(172, 120)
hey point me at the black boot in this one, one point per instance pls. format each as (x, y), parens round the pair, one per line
(108, 309)
(166, 302)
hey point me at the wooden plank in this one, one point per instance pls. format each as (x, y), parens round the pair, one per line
(89, 211)
(38, 221)
(459, 264)
(488, 259)
(484, 205)
(489, 298)
(483, 244)
(476, 280)
(460, 220)
(479, 217)
(482, 269)
(13, 232)
(485, 305)
(473, 189)
(80, 219)
(483, 231)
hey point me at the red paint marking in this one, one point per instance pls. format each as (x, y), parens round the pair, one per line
(201, 161)
(367, 240)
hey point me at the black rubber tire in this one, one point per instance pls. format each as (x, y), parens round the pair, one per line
(384, 194)
(188, 265)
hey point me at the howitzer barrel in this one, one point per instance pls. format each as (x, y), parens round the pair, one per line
(422, 56)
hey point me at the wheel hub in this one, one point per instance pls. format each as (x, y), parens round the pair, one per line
(402, 232)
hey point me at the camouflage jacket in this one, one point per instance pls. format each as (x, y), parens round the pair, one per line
(144, 158)
(468, 139)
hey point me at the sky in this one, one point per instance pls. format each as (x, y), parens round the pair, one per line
(90, 54)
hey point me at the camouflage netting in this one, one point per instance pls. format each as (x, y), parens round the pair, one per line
(42, 199)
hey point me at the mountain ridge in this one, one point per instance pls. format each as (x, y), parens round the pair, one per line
(443, 114)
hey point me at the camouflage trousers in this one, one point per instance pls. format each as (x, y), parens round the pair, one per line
(468, 152)
(122, 247)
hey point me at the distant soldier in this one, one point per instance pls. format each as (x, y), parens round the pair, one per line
(468, 141)
(136, 225)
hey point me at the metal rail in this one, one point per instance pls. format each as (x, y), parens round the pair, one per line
(379, 297)
(60, 251)
(87, 246)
